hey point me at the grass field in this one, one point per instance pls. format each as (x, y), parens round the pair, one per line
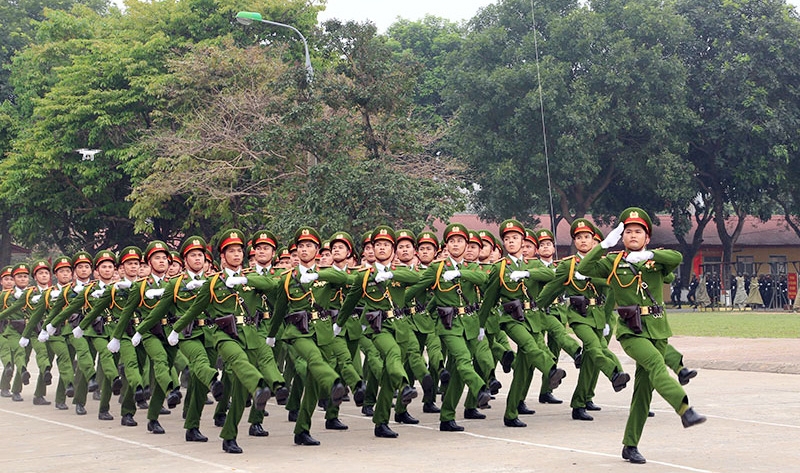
(749, 324)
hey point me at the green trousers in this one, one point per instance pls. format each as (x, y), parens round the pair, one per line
(393, 375)
(531, 353)
(318, 382)
(651, 373)
(597, 358)
(462, 372)
(557, 337)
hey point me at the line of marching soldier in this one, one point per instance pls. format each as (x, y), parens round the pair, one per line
(294, 323)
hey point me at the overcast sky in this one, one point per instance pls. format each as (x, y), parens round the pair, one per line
(383, 13)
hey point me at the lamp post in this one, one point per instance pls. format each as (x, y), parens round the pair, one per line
(248, 17)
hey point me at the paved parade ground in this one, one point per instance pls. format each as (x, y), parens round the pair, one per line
(752, 425)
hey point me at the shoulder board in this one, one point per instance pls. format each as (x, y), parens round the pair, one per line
(140, 279)
(319, 266)
(566, 258)
(399, 265)
(248, 271)
(439, 260)
(286, 271)
(361, 269)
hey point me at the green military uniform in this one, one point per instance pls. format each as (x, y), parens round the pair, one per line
(507, 285)
(5, 351)
(65, 315)
(151, 332)
(302, 302)
(229, 300)
(453, 295)
(56, 344)
(554, 325)
(382, 290)
(586, 316)
(18, 308)
(196, 343)
(636, 279)
(498, 340)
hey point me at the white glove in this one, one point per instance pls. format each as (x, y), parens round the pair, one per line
(77, 332)
(78, 288)
(336, 330)
(194, 284)
(363, 328)
(153, 293)
(579, 276)
(234, 281)
(97, 293)
(23, 342)
(36, 298)
(606, 330)
(639, 256)
(43, 336)
(481, 334)
(308, 277)
(113, 345)
(17, 293)
(450, 275)
(383, 276)
(124, 284)
(55, 293)
(271, 342)
(517, 275)
(50, 329)
(136, 339)
(613, 237)
(172, 339)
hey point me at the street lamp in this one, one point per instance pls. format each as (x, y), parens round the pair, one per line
(248, 17)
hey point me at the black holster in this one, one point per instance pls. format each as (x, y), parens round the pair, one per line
(375, 318)
(75, 320)
(515, 310)
(299, 319)
(187, 332)
(158, 331)
(580, 304)
(446, 314)
(227, 324)
(334, 315)
(97, 325)
(18, 325)
(632, 316)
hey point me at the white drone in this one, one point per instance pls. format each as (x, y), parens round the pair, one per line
(88, 154)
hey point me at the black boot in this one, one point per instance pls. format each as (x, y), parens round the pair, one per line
(230, 446)
(632, 455)
(194, 435)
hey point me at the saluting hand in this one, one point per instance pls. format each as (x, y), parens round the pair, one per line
(613, 237)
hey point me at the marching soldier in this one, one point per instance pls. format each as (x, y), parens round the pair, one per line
(508, 286)
(150, 332)
(227, 300)
(6, 283)
(57, 343)
(381, 287)
(557, 338)
(586, 317)
(17, 301)
(302, 303)
(66, 315)
(197, 342)
(636, 278)
(454, 298)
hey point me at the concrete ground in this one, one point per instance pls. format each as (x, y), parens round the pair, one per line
(749, 389)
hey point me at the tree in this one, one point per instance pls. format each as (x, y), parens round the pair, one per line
(613, 103)
(743, 61)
